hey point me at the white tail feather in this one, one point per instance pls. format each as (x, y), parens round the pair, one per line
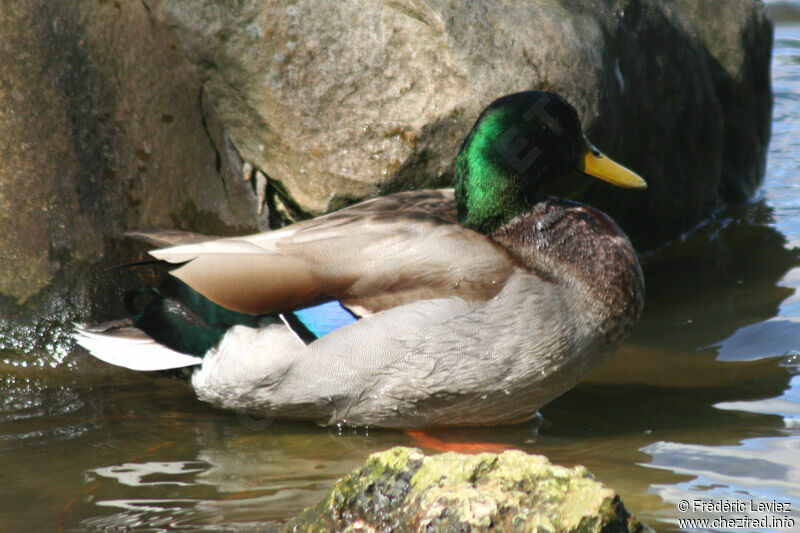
(130, 348)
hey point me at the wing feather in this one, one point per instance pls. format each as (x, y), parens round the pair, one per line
(251, 283)
(372, 256)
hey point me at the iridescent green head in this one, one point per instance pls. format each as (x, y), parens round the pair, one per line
(521, 143)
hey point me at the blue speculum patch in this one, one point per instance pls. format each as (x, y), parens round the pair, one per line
(324, 318)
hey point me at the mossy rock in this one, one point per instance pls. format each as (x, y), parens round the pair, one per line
(401, 489)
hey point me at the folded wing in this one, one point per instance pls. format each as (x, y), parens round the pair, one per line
(373, 256)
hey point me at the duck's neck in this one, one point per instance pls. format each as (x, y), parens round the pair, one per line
(489, 191)
(490, 204)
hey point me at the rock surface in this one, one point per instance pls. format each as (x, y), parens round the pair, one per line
(340, 101)
(103, 130)
(403, 490)
(120, 115)
(739, 59)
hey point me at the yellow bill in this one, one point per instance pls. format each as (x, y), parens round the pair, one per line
(597, 164)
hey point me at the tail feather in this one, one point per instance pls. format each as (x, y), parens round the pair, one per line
(174, 326)
(120, 344)
(180, 318)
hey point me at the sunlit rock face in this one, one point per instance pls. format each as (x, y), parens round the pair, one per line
(105, 127)
(336, 102)
(403, 490)
(120, 116)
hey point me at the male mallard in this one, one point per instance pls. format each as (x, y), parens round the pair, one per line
(446, 307)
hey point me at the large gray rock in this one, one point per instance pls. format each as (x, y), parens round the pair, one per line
(336, 102)
(103, 131)
(403, 490)
(740, 65)
(129, 115)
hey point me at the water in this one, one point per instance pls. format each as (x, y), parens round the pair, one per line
(703, 403)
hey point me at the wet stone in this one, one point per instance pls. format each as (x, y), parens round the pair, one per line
(401, 489)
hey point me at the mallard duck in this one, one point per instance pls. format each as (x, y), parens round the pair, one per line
(467, 306)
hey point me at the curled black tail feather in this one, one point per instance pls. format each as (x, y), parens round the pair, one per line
(182, 319)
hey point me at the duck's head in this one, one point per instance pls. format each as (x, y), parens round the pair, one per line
(519, 148)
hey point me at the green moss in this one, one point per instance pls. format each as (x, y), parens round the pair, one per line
(514, 491)
(376, 490)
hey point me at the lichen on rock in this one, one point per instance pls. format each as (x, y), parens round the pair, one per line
(401, 489)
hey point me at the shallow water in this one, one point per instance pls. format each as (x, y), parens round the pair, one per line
(702, 403)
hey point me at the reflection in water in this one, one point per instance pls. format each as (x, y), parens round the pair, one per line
(763, 468)
(787, 405)
(239, 477)
(726, 276)
(701, 403)
(772, 337)
(133, 474)
(757, 470)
